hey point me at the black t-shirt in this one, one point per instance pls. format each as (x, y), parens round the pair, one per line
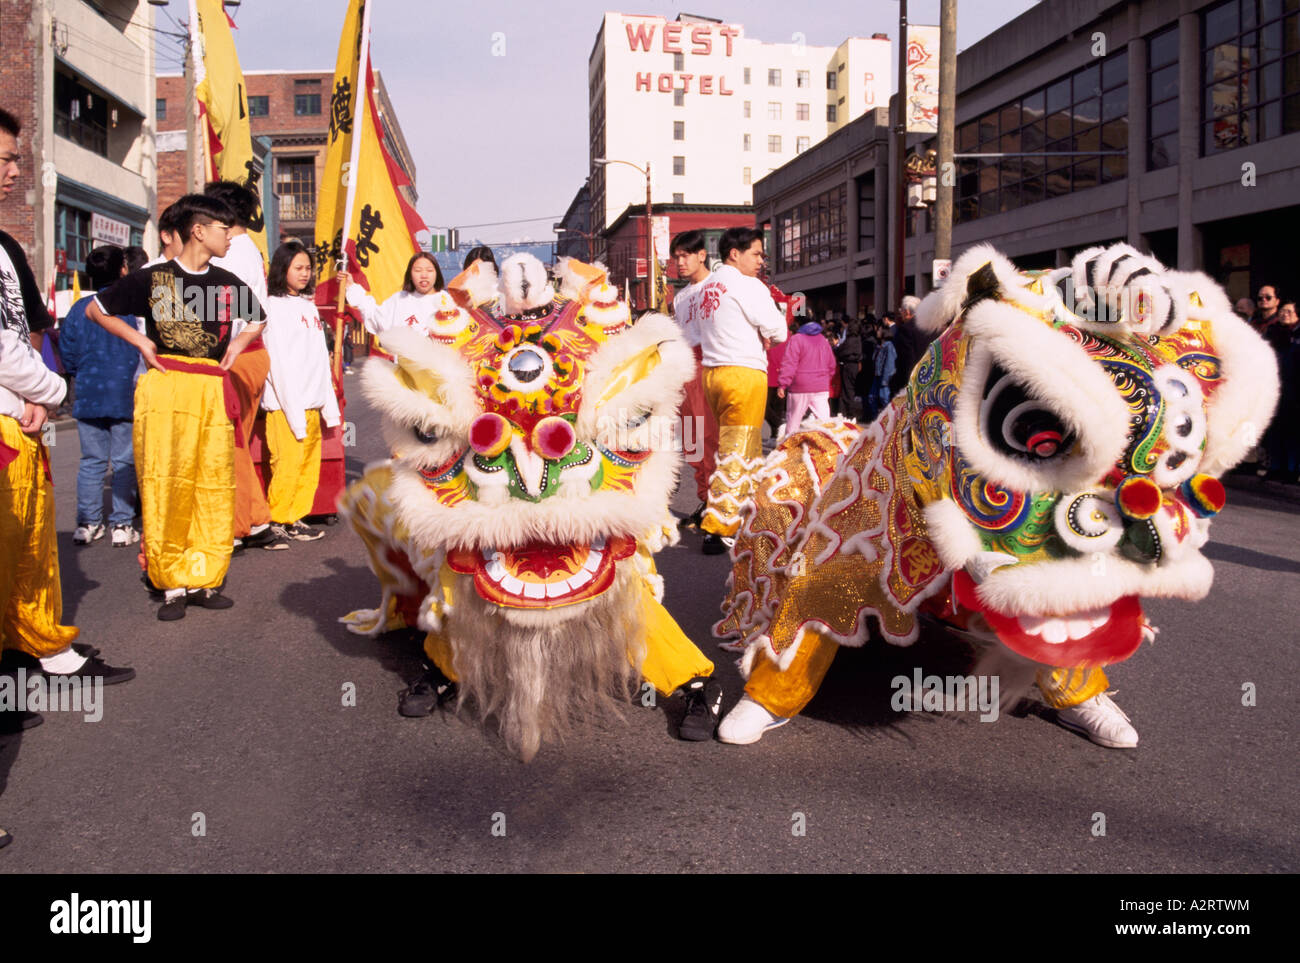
(38, 315)
(185, 314)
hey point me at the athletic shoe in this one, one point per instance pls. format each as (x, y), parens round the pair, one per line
(278, 540)
(172, 610)
(125, 535)
(426, 693)
(208, 599)
(746, 723)
(97, 668)
(717, 544)
(703, 706)
(302, 532)
(85, 534)
(1101, 721)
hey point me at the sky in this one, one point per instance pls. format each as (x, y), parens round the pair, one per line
(504, 138)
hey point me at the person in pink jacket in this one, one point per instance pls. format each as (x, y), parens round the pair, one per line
(805, 378)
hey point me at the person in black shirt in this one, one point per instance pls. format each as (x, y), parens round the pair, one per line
(185, 465)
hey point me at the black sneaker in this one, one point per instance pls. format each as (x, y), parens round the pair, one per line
(301, 532)
(97, 668)
(717, 544)
(259, 539)
(703, 706)
(172, 610)
(208, 599)
(431, 690)
(693, 520)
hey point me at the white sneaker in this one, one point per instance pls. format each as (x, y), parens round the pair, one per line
(1101, 721)
(85, 534)
(124, 535)
(746, 723)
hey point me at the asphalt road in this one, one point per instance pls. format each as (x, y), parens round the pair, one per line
(239, 715)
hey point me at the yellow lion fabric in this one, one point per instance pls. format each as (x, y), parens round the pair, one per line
(738, 397)
(185, 464)
(31, 596)
(295, 466)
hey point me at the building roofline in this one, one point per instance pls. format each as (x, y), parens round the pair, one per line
(638, 210)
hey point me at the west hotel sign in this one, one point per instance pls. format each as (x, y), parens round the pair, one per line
(641, 37)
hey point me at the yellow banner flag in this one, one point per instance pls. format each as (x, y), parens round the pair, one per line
(219, 87)
(361, 177)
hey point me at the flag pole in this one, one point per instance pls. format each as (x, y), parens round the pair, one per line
(360, 105)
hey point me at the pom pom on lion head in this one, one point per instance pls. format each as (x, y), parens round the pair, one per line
(539, 452)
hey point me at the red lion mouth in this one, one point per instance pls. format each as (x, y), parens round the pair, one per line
(541, 575)
(1099, 636)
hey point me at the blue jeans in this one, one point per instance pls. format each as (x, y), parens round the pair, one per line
(105, 441)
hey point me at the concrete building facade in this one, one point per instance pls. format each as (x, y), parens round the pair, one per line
(685, 94)
(1173, 125)
(79, 76)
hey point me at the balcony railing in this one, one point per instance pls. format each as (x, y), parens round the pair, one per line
(293, 208)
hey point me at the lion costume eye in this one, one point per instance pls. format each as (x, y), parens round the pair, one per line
(1088, 523)
(1018, 425)
(424, 437)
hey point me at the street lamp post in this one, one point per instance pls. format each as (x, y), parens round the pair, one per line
(649, 224)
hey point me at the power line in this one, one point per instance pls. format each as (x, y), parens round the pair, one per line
(517, 220)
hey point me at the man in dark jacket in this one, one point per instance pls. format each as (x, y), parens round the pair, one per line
(910, 342)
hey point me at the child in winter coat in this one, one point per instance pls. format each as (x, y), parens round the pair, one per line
(807, 369)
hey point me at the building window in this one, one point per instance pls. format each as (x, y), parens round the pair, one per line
(80, 115)
(679, 130)
(746, 75)
(800, 111)
(830, 113)
(295, 182)
(160, 108)
(679, 62)
(801, 78)
(773, 77)
(1073, 134)
(72, 234)
(746, 147)
(306, 105)
(747, 110)
(774, 143)
(1251, 73)
(259, 105)
(1162, 99)
(679, 97)
(773, 110)
(679, 198)
(830, 80)
(746, 175)
(679, 166)
(812, 232)
(800, 144)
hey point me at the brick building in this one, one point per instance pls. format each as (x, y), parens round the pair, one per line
(291, 110)
(79, 76)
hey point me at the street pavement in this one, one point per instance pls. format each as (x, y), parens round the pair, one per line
(240, 716)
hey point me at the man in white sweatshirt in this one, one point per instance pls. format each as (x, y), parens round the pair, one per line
(737, 322)
(31, 595)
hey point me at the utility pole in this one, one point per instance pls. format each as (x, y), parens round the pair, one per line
(900, 157)
(947, 110)
(649, 245)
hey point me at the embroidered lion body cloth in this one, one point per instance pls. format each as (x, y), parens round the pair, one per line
(533, 461)
(1054, 458)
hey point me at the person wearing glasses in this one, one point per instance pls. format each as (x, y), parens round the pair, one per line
(184, 436)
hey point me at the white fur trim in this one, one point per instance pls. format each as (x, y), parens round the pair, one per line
(523, 284)
(941, 306)
(1054, 370)
(1078, 584)
(659, 392)
(478, 281)
(952, 533)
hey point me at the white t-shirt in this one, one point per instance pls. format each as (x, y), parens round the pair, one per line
(299, 379)
(244, 261)
(685, 309)
(733, 313)
(403, 309)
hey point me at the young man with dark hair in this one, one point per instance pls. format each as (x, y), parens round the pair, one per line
(692, 256)
(249, 374)
(184, 436)
(738, 320)
(37, 314)
(103, 370)
(31, 595)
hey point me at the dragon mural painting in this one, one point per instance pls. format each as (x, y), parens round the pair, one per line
(533, 461)
(1054, 458)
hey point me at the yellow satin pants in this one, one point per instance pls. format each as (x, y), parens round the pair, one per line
(248, 377)
(295, 467)
(31, 596)
(738, 397)
(184, 457)
(786, 692)
(671, 659)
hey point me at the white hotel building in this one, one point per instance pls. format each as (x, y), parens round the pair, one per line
(713, 110)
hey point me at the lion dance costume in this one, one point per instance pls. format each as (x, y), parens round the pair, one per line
(532, 466)
(1054, 458)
